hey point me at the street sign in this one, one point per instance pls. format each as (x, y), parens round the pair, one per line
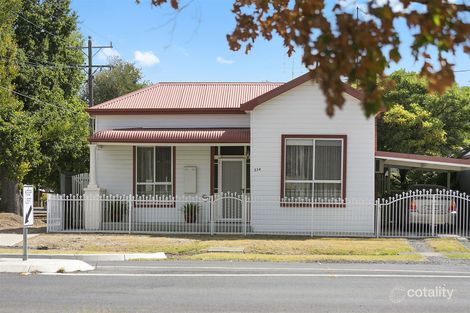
(28, 198)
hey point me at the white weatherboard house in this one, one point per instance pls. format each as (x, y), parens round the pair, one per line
(266, 140)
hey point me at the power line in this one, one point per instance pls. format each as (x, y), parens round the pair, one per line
(89, 48)
(32, 23)
(36, 100)
(52, 64)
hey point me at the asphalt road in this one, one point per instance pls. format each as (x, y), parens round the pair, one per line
(242, 287)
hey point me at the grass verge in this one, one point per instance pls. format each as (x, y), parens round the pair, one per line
(458, 256)
(412, 257)
(446, 245)
(256, 248)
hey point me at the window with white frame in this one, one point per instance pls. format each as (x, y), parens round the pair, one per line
(313, 168)
(154, 171)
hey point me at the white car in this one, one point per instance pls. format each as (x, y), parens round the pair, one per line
(431, 199)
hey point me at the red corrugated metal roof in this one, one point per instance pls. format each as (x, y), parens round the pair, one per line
(173, 135)
(185, 97)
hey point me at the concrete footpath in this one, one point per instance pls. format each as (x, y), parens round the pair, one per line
(15, 265)
(96, 257)
(66, 263)
(10, 240)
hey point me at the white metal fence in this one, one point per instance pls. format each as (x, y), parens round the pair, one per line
(79, 182)
(414, 214)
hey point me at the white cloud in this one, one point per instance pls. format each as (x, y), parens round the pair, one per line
(108, 53)
(221, 60)
(146, 58)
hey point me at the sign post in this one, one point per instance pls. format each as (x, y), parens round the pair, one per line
(28, 216)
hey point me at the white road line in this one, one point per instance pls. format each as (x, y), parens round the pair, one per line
(254, 275)
(284, 269)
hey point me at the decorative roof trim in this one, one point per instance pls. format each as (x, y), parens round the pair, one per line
(250, 105)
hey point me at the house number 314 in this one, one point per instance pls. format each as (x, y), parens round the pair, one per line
(257, 169)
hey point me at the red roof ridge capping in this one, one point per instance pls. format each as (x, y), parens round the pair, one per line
(220, 83)
(175, 128)
(173, 135)
(253, 103)
(420, 157)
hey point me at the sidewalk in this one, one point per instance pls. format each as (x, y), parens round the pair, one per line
(66, 263)
(10, 240)
(15, 265)
(96, 257)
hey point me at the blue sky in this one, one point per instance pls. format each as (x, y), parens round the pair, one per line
(192, 45)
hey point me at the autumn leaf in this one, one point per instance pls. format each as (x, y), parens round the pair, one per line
(351, 47)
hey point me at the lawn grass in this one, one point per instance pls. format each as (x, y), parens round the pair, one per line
(446, 245)
(318, 246)
(458, 256)
(267, 248)
(412, 257)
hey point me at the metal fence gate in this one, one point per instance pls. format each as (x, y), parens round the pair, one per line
(424, 213)
(79, 182)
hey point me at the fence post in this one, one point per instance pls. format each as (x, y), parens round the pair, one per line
(311, 218)
(130, 213)
(211, 214)
(48, 210)
(244, 213)
(433, 217)
(378, 210)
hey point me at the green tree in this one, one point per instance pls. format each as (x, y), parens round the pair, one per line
(405, 94)
(51, 74)
(420, 122)
(335, 44)
(44, 127)
(412, 131)
(19, 142)
(122, 78)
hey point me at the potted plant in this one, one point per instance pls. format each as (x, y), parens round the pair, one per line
(191, 211)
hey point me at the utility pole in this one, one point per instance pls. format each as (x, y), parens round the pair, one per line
(90, 72)
(91, 69)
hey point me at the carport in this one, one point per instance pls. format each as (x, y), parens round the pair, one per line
(384, 159)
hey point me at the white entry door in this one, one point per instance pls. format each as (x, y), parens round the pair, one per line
(232, 182)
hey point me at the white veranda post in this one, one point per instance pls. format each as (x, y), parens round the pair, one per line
(91, 204)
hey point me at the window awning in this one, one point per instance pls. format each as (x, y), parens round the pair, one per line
(172, 135)
(405, 160)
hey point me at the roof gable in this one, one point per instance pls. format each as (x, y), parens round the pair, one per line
(253, 103)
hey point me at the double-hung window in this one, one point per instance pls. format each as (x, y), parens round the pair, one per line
(313, 168)
(154, 171)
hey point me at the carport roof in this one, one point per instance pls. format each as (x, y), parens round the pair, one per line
(422, 161)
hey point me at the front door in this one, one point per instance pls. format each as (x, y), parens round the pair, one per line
(232, 184)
